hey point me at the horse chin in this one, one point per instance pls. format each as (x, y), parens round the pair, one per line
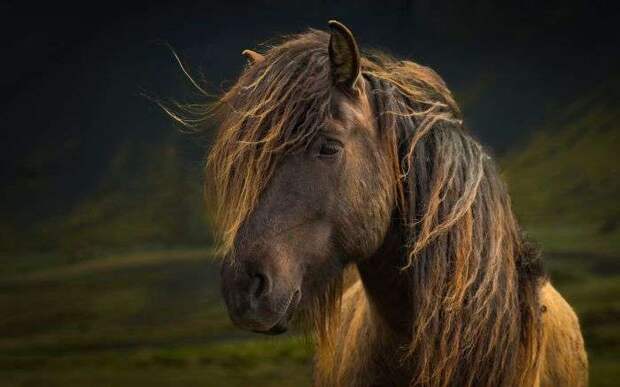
(277, 329)
(282, 325)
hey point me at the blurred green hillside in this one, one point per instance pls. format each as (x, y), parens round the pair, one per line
(565, 182)
(149, 195)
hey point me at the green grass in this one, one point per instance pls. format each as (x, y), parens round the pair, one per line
(156, 318)
(153, 318)
(233, 363)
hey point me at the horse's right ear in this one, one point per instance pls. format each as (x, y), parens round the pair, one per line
(253, 56)
(344, 56)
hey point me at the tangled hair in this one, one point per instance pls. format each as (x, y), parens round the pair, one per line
(474, 281)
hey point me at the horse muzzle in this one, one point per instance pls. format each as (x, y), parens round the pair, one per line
(256, 299)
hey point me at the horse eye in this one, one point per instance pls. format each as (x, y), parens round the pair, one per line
(330, 148)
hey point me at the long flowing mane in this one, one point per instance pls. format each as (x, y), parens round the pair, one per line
(473, 278)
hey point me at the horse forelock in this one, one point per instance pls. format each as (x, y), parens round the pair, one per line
(274, 109)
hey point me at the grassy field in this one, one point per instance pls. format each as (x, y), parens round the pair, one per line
(156, 318)
(150, 318)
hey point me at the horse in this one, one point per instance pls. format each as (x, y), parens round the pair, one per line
(350, 197)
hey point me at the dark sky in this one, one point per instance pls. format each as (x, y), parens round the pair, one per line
(71, 76)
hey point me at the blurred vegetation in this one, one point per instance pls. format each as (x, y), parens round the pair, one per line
(565, 183)
(152, 318)
(122, 289)
(149, 195)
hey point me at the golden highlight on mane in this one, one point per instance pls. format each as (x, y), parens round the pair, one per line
(473, 279)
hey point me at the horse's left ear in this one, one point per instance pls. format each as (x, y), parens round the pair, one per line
(344, 56)
(253, 56)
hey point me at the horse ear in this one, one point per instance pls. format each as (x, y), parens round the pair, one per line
(344, 56)
(253, 56)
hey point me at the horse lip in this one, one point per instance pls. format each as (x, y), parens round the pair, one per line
(281, 325)
(277, 329)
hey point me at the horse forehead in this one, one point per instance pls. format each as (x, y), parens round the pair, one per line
(352, 114)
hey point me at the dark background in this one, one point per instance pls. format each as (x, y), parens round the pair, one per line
(72, 75)
(94, 173)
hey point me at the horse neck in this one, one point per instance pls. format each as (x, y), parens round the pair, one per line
(386, 287)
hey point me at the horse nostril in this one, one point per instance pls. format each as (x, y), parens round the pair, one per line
(258, 286)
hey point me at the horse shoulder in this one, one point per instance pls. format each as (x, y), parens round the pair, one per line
(564, 359)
